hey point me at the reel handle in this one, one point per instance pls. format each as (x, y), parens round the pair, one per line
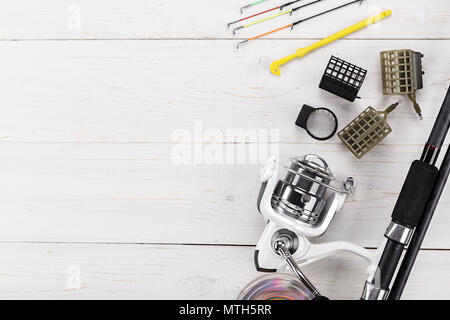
(318, 252)
(281, 246)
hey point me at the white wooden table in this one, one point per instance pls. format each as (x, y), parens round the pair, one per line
(91, 94)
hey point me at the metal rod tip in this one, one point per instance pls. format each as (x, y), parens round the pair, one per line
(241, 43)
(245, 7)
(231, 23)
(235, 29)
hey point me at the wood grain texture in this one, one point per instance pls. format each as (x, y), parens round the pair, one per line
(142, 91)
(206, 19)
(86, 142)
(113, 271)
(106, 99)
(125, 192)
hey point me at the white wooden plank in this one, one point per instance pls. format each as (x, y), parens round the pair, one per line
(86, 144)
(145, 90)
(134, 193)
(112, 19)
(80, 271)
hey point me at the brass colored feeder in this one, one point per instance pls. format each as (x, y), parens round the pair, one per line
(402, 74)
(366, 130)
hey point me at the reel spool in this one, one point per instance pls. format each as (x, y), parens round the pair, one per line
(300, 194)
(276, 287)
(298, 206)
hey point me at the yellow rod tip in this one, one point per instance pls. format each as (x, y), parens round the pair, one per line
(388, 12)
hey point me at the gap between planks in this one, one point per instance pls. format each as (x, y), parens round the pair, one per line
(222, 39)
(175, 244)
(202, 142)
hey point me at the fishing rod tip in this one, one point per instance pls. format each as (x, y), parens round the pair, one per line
(244, 7)
(235, 29)
(231, 23)
(238, 46)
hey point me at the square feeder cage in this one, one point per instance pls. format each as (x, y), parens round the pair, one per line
(402, 74)
(343, 78)
(366, 130)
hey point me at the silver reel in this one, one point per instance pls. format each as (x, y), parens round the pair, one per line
(298, 206)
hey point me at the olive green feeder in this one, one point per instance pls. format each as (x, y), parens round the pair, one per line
(402, 74)
(366, 130)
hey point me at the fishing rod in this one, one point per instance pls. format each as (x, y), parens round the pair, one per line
(292, 25)
(412, 212)
(291, 11)
(281, 7)
(419, 233)
(251, 5)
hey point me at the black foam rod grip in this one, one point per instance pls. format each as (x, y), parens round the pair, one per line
(415, 193)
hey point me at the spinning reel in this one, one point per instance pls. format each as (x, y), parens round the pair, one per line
(299, 206)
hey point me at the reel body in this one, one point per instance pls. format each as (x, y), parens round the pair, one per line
(299, 206)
